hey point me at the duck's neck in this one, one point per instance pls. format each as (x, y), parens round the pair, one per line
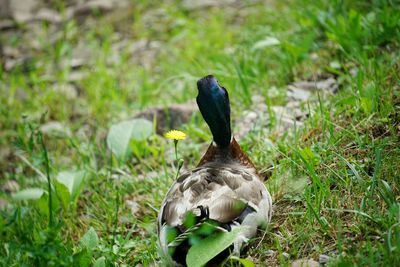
(213, 102)
(231, 153)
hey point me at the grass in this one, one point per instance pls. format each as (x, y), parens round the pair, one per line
(335, 181)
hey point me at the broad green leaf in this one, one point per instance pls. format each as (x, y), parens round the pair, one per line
(73, 180)
(63, 193)
(386, 192)
(141, 129)
(28, 194)
(83, 258)
(100, 262)
(90, 239)
(138, 148)
(244, 262)
(128, 245)
(296, 185)
(43, 204)
(120, 134)
(309, 156)
(268, 41)
(368, 97)
(367, 104)
(288, 184)
(202, 252)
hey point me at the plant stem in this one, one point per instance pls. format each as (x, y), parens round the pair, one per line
(117, 203)
(179, 162)
(176, 149)
(47, 167)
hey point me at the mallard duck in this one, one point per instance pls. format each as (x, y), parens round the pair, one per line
(224, 187)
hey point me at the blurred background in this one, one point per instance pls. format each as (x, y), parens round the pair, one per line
(89, 87)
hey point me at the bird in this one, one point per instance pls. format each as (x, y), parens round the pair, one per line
(224, 189)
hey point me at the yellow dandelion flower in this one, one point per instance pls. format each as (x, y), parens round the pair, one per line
(175, 135)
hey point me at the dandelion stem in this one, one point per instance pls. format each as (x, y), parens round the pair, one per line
(176, 149)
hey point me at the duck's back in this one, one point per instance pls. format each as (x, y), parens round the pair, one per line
(225, 190)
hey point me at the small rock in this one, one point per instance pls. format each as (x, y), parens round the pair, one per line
(257, 99)
(6, 24)
(81, 56)
(298, 94)
(305, 263)
(48, 15)
(3, 204)
(139, 45)
(261, 107)
(314, 56)
(285, 255)
(10, 186)
(248, 121)
(5, 153)
(66, 89)
(323, 258)
(289, 111)
(9, 51)
(293, 105)
(22, 10)
(251, 116)
(55, 128)
(289, 122)
(149, 175)
(259, 103)
(200, 4)
(250, 258)
(269, 253)
(274, 92)
(143, 52)
(84, 132)
(353, 71)
(10, 64)
(335, 65)
(21, 94)
(280, 111)
(171, 117)
(328, 84)
(4, 9)
(77, 62)
(86, 7)
(133, 205)
(76, 76)
(25, 63)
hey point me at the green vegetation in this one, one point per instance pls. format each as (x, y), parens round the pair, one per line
(78, 204)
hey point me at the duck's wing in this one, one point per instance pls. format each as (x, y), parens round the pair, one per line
(226, 193)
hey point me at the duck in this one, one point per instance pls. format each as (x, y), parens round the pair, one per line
(224, 189)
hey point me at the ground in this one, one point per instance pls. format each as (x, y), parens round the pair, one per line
(329, 156)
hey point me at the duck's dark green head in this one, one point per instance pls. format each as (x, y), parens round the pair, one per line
(213, 102)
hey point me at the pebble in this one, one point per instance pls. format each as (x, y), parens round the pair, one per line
(286, 255)
(305, 263)
(55, 128)
(323, 258)
(3, 204)
(269, 253)
(133, 205)
(10, 186)
(66, 89)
